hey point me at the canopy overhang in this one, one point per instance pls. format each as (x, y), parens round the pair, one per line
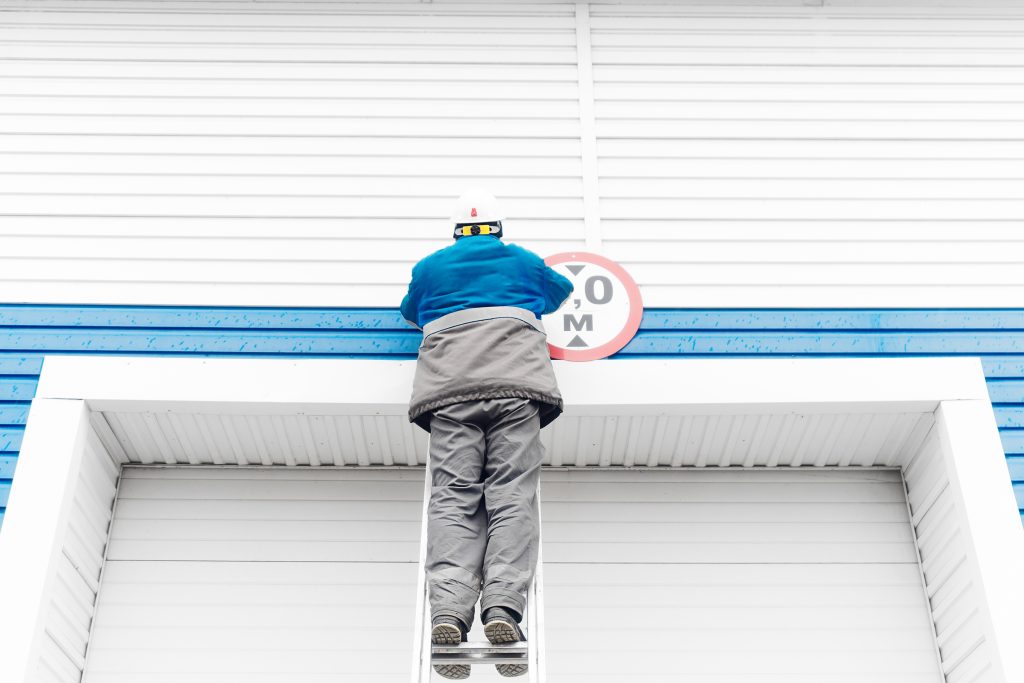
(929, 417)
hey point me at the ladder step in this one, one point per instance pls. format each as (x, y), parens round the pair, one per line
(480, 653)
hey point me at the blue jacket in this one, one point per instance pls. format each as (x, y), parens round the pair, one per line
(493, 357)
(482, 271)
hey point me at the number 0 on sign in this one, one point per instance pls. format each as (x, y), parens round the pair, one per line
(600, 316)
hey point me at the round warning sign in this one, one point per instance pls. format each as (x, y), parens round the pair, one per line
(600, 316)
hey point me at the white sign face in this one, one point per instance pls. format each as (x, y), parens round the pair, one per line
(600, 316)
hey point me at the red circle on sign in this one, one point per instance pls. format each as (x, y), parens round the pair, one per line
(636, 308)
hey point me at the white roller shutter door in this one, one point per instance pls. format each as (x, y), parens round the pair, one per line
(711, 576)
(249, 575)
(299, 575)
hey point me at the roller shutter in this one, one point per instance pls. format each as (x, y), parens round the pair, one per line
(711, 576)
(259, 575)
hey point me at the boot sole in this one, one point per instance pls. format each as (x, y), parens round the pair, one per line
(501, 631)
(447, 634)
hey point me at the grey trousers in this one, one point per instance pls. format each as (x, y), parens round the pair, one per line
(482, 519)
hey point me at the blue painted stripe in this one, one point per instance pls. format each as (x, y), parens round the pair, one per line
(1015, 463)
(824, 343)
(389, 342)
(13, 413)
(7, 463)
(19, 364)
(10, 438)
(1006, 390)
(278, 342)
(1003, 366)
(177, 317)
(1013, 441)
(1010, 417)
(833, 319)
(1018, 491)
(17, 389)
(5, 492)
(56, 315)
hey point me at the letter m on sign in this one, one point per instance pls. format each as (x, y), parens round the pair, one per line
(585, 322)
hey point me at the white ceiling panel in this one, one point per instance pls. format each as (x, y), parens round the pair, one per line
(698, 440)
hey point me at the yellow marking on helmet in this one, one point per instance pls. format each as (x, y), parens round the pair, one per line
(485, 230)
(466, 231)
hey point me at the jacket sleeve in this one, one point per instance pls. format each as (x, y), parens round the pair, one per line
(409, 308)
(556, 287)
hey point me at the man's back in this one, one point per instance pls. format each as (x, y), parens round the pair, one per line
(482, 271)
(501, 351)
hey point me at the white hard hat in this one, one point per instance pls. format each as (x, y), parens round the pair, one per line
(476, 206)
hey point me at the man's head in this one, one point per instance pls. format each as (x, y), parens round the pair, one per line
(476, 213)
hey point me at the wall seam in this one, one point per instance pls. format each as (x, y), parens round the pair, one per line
(588, 129)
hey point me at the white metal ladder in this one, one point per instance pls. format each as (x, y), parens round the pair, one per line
(426, 654)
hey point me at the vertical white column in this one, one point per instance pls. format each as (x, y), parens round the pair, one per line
(588, 129)
(989, 516)
(35, 527)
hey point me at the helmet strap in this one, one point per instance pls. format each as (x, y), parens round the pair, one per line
(471, 229)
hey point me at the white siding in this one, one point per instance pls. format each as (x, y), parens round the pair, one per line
(73, 597)
(231, 575)
(745, 577)
(838, 156)
(290, 153)
(953, 593)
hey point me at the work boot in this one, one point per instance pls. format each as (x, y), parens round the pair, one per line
(501, 625)
(449, 631)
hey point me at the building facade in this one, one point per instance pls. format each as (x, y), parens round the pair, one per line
(788, 181)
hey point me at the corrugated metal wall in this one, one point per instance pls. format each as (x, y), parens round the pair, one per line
(813, 157)
(299, 153)
(304, 154)
(28, 332)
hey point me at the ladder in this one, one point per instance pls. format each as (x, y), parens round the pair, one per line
(426, 654)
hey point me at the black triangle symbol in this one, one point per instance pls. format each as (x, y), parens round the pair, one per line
(577, 343)
(575, 270)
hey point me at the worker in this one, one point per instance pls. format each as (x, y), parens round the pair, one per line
(484, 387)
